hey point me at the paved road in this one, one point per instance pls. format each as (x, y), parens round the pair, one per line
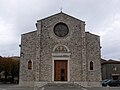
(13, 87)
(60, 89)
(100, 88)
(63, 89)
(16, 87)
(105, 88)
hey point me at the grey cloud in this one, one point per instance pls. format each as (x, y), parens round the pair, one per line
(98, 15)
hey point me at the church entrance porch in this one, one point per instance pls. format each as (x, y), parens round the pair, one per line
(60, 70)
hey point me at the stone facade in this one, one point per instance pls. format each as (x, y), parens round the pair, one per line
(81, 48)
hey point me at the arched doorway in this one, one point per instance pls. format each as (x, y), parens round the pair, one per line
(60, 57)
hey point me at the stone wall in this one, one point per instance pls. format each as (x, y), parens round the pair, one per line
(38, 47)
(28, 52)
(93, 54)
(75, 41)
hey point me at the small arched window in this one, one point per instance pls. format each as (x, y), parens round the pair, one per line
(29, 64)
(91, 65)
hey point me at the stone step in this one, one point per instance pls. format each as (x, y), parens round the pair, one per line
(62, 85)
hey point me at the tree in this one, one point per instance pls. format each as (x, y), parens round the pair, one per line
(14, 69)
(10, 66)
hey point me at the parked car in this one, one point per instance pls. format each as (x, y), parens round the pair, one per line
(108, 82)
(113, 83)
(104, 82)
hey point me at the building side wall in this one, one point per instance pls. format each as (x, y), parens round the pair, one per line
(74, 41)
(109, 69)
(93, 54)
(28, 52)
(104, 71)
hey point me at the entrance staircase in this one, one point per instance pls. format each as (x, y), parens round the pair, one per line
(62, 85)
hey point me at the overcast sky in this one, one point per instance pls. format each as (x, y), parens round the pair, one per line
(102, 17)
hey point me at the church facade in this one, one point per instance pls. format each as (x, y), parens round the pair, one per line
(60, 51)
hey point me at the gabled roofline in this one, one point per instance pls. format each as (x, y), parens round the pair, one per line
(92, 34)
(28, 32)
(58, 14)
(110, 62)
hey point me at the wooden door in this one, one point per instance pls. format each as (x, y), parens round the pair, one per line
(60, 70)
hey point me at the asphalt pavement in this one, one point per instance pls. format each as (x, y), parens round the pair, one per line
(17, 87)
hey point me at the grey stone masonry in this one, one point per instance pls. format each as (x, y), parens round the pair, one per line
(39, 47)
(49, 40)
(28, 52)
(93, 54)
